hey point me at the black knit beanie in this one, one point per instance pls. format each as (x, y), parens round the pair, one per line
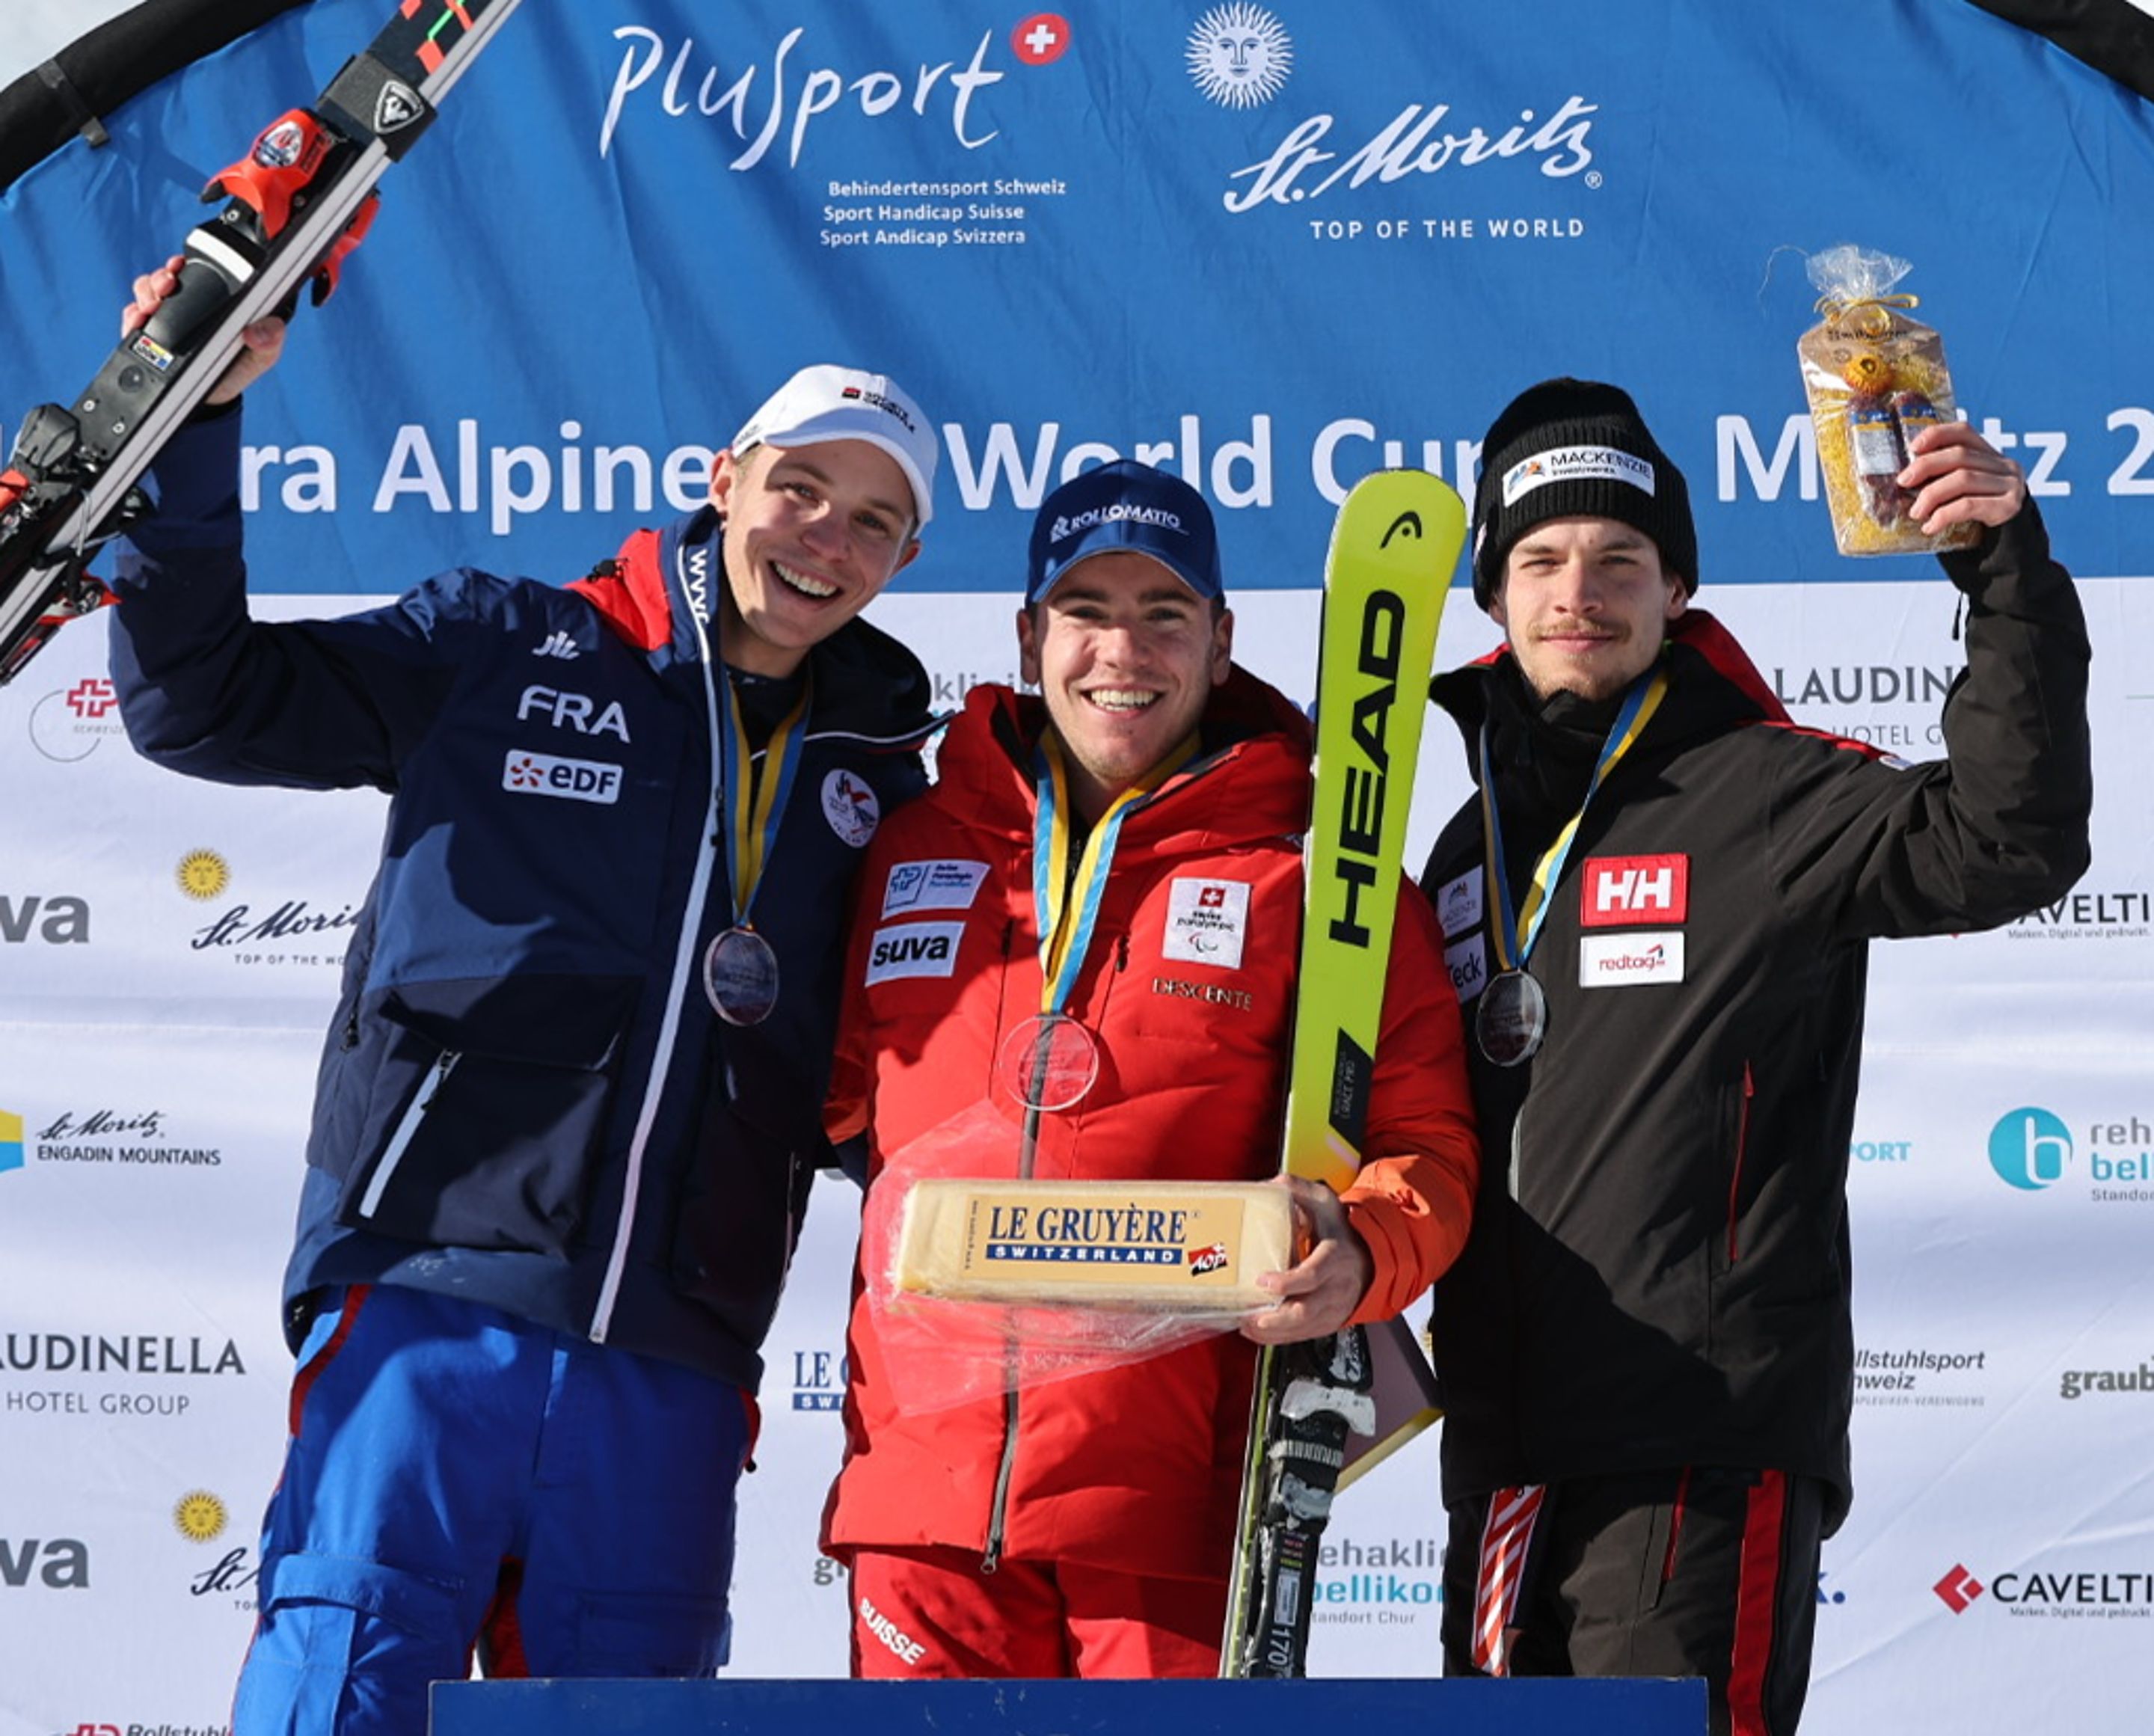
(1576, 448)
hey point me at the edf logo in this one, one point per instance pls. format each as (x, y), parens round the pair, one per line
(1618, 890)
(2030, 1148)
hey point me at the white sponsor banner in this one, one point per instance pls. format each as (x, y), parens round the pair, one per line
(154, 1091)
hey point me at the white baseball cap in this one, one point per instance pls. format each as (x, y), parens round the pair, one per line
(825, 402)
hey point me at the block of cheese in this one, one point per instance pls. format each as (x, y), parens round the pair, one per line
(1176, 1247)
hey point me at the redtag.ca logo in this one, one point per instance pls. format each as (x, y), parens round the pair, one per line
(1958, 1589)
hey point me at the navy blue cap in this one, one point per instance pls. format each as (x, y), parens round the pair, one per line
(1124, 505)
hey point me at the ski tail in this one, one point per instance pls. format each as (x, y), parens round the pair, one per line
(1393, 549)
(293, 207)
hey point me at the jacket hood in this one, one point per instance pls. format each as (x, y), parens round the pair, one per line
(867, 683)
(1716, 686)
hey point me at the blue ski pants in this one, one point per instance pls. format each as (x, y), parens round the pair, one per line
(460, 1482)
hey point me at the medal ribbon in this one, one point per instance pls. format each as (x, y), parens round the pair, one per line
(1516, 930)
(752, 824)
(1063, 909)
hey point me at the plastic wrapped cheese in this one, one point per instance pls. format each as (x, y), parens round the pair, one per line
(1173, 1247)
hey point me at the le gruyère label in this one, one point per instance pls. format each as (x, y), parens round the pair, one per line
(1168, 1244)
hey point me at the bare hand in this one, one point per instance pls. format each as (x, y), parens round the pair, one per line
(1319, 1294)
(1957, 477)
(260, 343)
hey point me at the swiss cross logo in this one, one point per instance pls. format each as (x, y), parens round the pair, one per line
(1040, 38)
(1958, 1589)
(91, 697)
(1211, 898)
(1619, 889)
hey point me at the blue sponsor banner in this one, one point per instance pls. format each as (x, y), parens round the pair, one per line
(1268, 247)
(1523, 1707)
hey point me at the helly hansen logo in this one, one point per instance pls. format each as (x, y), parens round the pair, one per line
(914, 949)
(1618, 890)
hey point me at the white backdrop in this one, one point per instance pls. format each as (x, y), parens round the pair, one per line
(161, 1101)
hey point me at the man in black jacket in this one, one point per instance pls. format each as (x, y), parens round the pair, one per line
(1656, 910)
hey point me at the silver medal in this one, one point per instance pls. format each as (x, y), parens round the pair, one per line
(1511, 1019)
(740, 975)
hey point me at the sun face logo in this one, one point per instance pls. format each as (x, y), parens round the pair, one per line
(1240, 55)
(202, 875)
(199, 1517)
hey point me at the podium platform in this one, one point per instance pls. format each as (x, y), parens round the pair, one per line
(1539, 1707)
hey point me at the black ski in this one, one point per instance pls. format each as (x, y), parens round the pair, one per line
(294, 206)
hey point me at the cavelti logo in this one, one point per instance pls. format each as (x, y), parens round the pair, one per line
(1958, 1589)
(2030, 1148)
(2073, 1594)
(1240, 55)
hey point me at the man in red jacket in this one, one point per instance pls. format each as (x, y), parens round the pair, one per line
(1114, 867)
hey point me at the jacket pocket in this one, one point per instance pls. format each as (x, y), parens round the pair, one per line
(1721, 1210)
(486, 1112)
(742, 1207)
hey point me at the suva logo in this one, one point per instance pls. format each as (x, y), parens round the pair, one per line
(61, 1565)
(11, 1141)
(2030, 1148)
(914, 949)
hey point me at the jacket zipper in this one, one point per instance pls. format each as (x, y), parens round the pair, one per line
(991, 1557)
(1742, 1147)
(407, 1129)
(682, 985)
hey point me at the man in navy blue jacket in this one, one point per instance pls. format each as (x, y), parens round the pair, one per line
(568, 1108)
